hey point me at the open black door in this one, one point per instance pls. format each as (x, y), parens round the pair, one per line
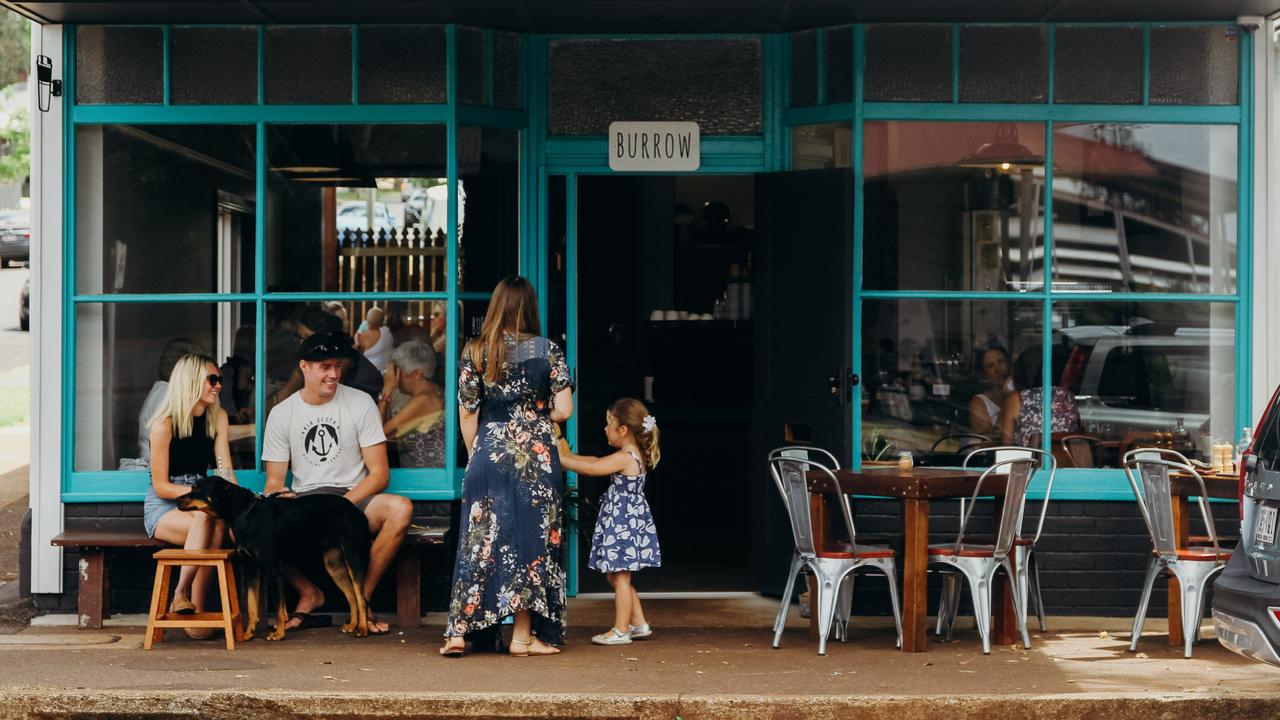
(804, 295)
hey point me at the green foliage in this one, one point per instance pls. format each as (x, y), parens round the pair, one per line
(15, 48)
(15, 149)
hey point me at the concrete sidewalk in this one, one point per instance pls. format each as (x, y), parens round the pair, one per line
(708, 658)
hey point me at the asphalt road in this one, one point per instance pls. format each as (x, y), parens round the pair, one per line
(14, 449)
(14, 343)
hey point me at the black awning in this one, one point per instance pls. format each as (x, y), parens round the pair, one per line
(635, 16)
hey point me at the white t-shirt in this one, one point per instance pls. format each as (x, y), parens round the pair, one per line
(322, 443)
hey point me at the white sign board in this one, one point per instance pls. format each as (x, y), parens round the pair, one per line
(654, 146)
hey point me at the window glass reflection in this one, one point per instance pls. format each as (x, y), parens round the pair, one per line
(828, 145)
(1144, 208)
(125, 353)
(938, 374)
(392, 355)
(356, 208)
(1145, 374)
(164, 208)
(953, 206)
(488, 207)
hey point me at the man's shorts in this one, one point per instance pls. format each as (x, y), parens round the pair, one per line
(332, 490)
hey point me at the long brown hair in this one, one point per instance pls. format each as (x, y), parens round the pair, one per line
(630, 414)
(513, 308)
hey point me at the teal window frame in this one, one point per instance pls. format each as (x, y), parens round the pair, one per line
(418, 484)
(1070, 484)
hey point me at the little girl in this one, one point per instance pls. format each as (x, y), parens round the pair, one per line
(625, 539)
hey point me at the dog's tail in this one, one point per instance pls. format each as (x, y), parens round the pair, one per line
(356, 544)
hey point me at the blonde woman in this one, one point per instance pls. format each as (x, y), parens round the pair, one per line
(188, 436)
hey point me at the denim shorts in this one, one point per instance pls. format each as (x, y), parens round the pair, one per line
(155, 506)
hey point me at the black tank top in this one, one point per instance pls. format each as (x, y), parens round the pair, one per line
(191, 455)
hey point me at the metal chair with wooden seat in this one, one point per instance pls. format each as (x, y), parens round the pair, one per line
(1027, 568)
(978, 562)
(830, 563)
(1148, 471)
(228, 618)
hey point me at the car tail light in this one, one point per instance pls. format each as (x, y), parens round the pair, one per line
(1263, 418)
(1275, 614)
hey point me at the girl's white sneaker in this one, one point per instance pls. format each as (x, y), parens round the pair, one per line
(612, 637)
(640, 632)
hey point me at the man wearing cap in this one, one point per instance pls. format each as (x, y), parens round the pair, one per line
(331, 436)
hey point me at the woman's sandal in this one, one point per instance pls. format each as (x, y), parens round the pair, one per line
(528, 648)
(453, 651)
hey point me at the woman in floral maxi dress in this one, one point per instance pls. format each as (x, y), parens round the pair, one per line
(512, 386)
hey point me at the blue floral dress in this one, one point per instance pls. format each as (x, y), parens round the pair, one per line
(509, 547)
(625, 538)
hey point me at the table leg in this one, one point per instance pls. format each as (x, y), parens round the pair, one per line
(1005, 631)
(1182, 534)
(915, 562)
(821, 526)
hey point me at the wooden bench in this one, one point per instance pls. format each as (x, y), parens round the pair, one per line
(93, 601)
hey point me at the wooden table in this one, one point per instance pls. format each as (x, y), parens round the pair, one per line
(1185, 487)
(915, 489)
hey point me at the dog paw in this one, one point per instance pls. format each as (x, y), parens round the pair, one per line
(362, 632)
(275, 636)
(349, 627)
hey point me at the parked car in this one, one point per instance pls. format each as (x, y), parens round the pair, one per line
(354, 215)
(24, 305)
(15, 236)
(1246, 596)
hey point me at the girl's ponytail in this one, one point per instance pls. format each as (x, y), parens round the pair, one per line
(634, 416)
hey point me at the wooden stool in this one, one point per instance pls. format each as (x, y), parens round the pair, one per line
(160, 617)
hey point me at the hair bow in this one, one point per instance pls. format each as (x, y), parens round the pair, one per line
(650, 423)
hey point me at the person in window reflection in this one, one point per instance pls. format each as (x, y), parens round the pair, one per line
(985, 407)
(1021, 418)
(412, 406)
(375, 342)
(188, 435)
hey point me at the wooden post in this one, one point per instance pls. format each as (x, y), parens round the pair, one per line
(915, 576)
(408, 587)
(92, 592)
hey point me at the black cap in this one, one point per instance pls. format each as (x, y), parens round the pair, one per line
(324, 346)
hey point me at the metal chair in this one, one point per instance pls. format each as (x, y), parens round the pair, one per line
(979, 562)
(1080, 450)
(844, 604)
(830, 565)
(1148, 472)
(963, 441)
(1028, 570)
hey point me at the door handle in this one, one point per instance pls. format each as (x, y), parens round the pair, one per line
(839, 390)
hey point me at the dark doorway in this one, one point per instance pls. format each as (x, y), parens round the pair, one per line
(657, 255)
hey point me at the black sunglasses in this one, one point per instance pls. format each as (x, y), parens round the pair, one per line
(213, 379)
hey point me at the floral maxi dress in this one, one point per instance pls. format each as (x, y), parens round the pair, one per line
(509, 551)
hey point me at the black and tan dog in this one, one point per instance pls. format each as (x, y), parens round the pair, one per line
(273, 531)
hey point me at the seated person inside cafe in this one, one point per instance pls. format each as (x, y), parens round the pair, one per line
(331, 437)
(412, 406)
(1021, 418)
(984, 408)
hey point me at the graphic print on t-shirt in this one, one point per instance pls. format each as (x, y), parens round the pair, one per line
(320, 441)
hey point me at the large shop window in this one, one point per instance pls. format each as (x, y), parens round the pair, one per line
(124, 355)
(356, 208)
(164, 209)
(1136, 209)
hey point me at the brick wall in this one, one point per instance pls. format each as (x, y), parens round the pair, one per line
(1092, 556)
(132, 572)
